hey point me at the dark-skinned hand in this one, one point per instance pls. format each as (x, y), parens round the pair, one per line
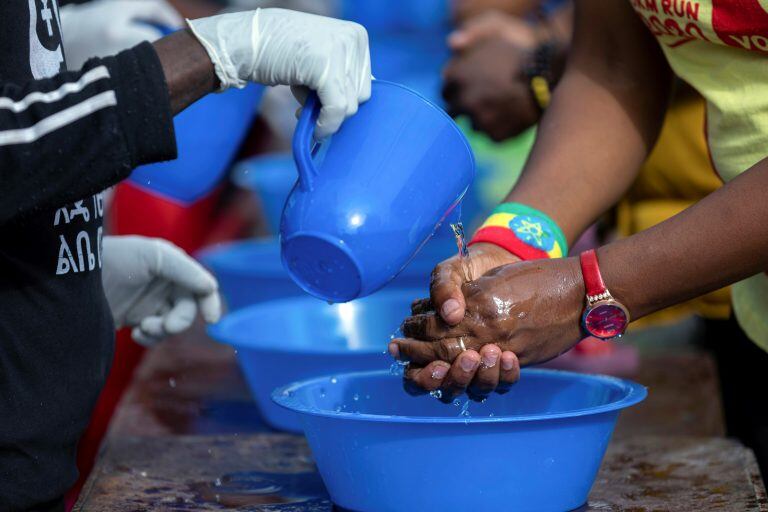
(446, 295)
(487, 83)
(479, 370)
(530, 309)
(496, 25)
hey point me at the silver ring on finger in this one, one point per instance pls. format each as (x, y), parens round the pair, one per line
(461, 344)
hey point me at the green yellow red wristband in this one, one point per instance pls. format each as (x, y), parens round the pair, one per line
(524, 231)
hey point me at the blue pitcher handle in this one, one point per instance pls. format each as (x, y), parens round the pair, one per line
(304, 146)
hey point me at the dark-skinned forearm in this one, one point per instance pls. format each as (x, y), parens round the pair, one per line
(604, 118)
(720, 240)
(188, 69)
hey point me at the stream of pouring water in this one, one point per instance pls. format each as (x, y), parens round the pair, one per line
(398, 367)
(461, 244)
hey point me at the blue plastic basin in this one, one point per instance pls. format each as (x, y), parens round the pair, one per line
(537, 448)
(270, 179)
(251, 271)
(377, 16)
(413, 59)
(208, 135)
(283, 341)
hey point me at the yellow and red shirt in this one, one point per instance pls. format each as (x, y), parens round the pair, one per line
(720, 47)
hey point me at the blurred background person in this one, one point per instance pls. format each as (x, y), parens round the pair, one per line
(509, 55)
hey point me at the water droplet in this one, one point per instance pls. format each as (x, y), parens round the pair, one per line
(355, 397)
(398, 368)
(217, 482)
(334, 380)
(491, 415)
(437, 393)
(143, 473)
(322, 392)
(172, 382)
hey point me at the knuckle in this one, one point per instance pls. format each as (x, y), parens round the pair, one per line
(484, 305)
(446, 349)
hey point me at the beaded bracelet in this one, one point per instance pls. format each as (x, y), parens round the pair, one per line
(524, 231)
(539, 74)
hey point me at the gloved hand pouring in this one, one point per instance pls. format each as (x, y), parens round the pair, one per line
(75, 119)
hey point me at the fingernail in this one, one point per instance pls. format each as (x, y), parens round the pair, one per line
(468, 364)
(490, 359)
(507, 362)
(439, 372)
(394, 350)
(449, 307)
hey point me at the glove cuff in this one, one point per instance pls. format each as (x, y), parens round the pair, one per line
(208, 32)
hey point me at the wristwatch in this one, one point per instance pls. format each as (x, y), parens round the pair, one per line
(604, 317)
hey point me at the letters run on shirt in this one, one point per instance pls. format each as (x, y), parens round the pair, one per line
(738, 23)
(83, 252)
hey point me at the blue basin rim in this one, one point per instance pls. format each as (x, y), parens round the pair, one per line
(266, 342)
(633, 394)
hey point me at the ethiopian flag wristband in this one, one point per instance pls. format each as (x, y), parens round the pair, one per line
(524, 231)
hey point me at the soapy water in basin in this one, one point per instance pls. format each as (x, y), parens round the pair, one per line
(380, 394)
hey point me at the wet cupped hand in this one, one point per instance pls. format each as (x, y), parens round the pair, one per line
(447, 298)
(514, 314)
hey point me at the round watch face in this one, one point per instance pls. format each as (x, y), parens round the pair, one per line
(605, 321)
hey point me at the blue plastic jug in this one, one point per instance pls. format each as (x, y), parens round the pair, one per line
(371, 196)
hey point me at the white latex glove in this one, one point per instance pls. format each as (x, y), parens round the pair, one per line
(155, 287)
(277, 46)
(106, 27)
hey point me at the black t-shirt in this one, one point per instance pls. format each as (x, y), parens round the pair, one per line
(64, 137)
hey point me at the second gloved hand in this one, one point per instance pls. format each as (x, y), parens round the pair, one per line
(106, 27)
(155, 287)
(278, 46)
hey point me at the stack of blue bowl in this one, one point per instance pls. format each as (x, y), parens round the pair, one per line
(270, 179)
(415, 60)
(398, 16)
(283, 341)
(407, 40)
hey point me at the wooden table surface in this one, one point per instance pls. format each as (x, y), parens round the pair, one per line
(187, 436)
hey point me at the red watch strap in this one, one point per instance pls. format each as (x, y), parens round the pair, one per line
(590, 271)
